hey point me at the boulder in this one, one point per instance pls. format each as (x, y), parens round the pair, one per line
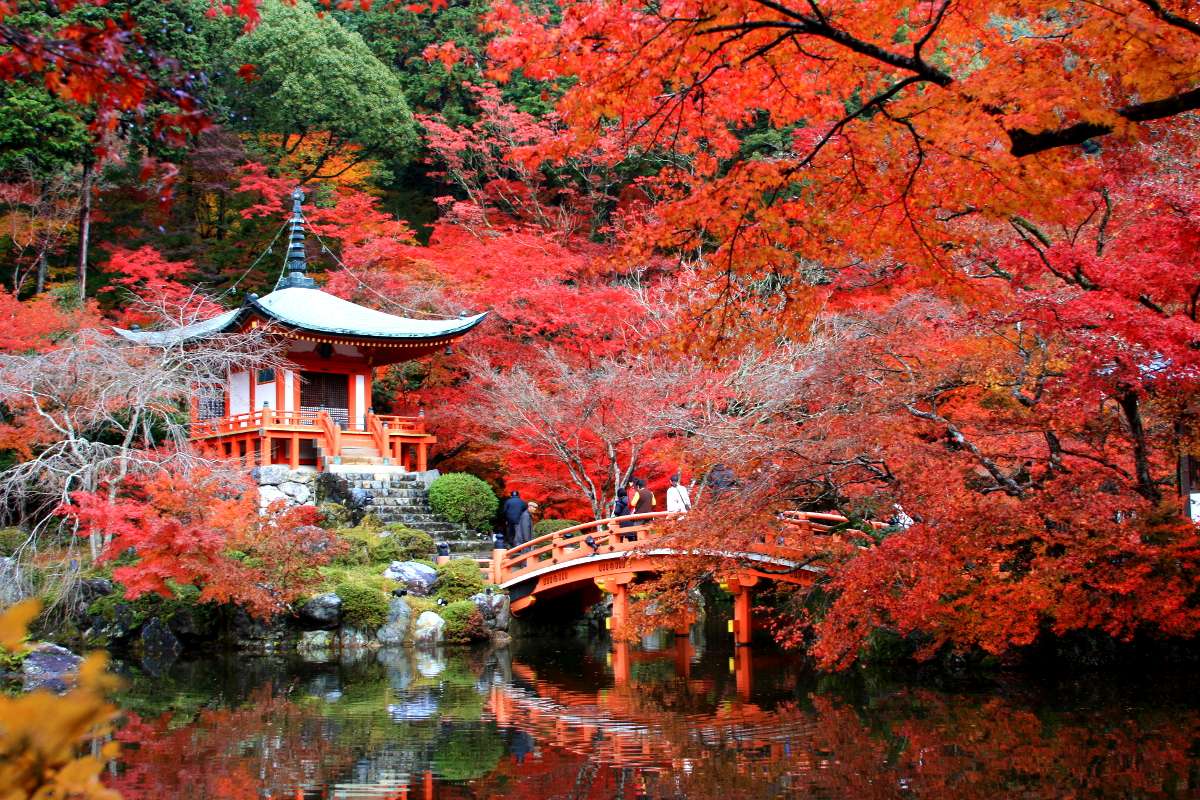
(501, 638)
(159, 647)
(354, 639)
(322, 612)
(494, 609)
(260, 636)
(269, 494)
(429, 629)
(417, 578)
(315, 643)
(399, 614)
(297, 491)
(271, 474)
(49, 666)
(13, 586)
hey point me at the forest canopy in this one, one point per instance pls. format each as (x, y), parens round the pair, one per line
(927, 264)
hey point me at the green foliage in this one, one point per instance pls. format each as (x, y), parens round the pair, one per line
(464, 623)
(367, 545)
(314, 76)
(400, 543)
(11, 539)
(458, 579)
(334, 515)
(38, 134)
(363, 607)
(461, 497)
(544, 526)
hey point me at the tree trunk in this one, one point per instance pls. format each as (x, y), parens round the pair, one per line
(42, 268)
(85, 225)
(1141, 452)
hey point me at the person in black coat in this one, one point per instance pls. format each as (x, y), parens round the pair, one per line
(514, 507)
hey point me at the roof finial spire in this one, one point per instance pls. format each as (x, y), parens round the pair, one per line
(297, 263)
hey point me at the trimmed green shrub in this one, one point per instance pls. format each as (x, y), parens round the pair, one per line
(11, 539)
(460, 497)
(363, 607)
(399, 543)
(458, 579)
(334, 515)
(542, 527)
(464, 623)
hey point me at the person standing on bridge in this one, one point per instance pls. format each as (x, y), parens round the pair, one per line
(643, 499)
(678, 501)
(514, 507)
(525, 525)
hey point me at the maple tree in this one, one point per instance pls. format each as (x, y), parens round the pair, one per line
(203, 527)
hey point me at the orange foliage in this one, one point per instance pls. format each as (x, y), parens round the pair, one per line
(41, 734)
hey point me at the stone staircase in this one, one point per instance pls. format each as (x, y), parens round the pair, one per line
(403, 498)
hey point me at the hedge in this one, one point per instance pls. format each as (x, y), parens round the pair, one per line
(542, 527)
(400, 543)
(460, 497)
(363, 607)
(458, 579)
(464, 623)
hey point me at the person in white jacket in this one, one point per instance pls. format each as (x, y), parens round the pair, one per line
(678, 500)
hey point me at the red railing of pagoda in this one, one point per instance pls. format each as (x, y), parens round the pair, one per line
(253, 420)
(333, 433)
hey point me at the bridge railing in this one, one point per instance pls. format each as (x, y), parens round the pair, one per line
(568, 544)
(630, 532)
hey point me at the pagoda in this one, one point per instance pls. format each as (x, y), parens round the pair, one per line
(316, 410)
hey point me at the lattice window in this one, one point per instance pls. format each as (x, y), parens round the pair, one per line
(210, 403)
(322, 391)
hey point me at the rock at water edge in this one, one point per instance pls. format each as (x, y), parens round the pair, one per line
(429, 630)
(322, 612)
(49, 666)
(399, 614)
(316, 643)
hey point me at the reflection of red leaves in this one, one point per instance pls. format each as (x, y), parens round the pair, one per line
(248, 73)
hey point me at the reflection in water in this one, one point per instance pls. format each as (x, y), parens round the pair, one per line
(663, 720)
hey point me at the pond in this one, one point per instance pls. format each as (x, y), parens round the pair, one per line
(671, 718)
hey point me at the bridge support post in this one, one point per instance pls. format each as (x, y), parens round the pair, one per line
(620, 609)
(743, 628)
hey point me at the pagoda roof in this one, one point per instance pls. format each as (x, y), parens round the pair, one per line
(315, 311)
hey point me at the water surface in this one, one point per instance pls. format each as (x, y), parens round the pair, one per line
(672, 719)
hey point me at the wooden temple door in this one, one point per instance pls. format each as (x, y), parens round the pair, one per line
(324, 391)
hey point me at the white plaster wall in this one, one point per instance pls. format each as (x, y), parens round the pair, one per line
(239, 392)
(289, 394)
(264, 395)
(360, 401)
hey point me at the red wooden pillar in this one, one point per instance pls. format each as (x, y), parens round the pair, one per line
(742, 617)
(294, 452)
(422, 457)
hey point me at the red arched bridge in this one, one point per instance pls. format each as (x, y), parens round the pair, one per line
(585, 561)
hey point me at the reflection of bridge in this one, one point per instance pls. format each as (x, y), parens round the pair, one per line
(621, 727)
(602, 556)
